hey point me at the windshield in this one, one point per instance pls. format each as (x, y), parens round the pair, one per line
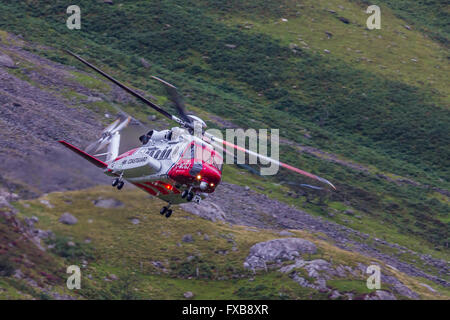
(217, 161)
(189, 152)
(202, 153)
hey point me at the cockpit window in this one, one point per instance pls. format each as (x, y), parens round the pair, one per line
(217, 161)
(189, 152)
(207, 155)
(201, 153)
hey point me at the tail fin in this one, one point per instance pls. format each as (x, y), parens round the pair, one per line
(113, 147)
(110, 137)
(85, 155)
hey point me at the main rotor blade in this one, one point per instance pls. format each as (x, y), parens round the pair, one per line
(244, 166)
(175, 98)
(282, 164)
(127, 89)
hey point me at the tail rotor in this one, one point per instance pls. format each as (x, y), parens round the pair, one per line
(110, 136)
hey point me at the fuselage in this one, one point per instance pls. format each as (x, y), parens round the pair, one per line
(165, 167)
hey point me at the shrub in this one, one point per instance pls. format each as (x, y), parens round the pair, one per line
(6, 267)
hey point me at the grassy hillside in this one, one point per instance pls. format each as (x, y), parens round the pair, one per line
(368, 110)
(150, 260)
(332, 97)
(430, 17)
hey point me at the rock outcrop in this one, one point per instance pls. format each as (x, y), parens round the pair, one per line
(67, 218)
(6, 61)
(276, 251)
(108, 203)
(206, 210)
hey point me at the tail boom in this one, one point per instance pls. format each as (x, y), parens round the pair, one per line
(87, 156)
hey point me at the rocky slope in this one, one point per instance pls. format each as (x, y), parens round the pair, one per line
(242, 206)
(34, 114)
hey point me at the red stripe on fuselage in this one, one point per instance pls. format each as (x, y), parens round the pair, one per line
(126, 154)
(157, 187)
(149, 190)
(172, 188)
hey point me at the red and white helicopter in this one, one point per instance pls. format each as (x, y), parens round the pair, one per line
(175, 165)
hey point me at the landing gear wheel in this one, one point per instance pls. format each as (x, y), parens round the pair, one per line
(190, 196)
(163, 210)
(184, 194)
(115, 182)
(120, 185)
(168, 213)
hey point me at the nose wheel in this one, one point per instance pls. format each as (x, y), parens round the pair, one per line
(188, 194)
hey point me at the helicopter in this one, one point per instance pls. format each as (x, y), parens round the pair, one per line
(177, 165)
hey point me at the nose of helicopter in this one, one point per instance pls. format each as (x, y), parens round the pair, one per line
(209, 177)
(203, 176)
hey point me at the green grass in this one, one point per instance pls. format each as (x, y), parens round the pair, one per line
(89, 82)
(357, 287)
(429, 17)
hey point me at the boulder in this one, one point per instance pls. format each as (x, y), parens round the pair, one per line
(145, 63)
(31, 221)
(113, 277)
(207, 210)
(18, 274)
(46, 203)
(68, 219)
(349, 212)
(108, 203)
(158, 264)
(335, 295)
(187, 238)
(6, 61)
(43, 234)
(277, 250)
(344, 20)
(6, 197)
(380, 295)
(405, 291)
